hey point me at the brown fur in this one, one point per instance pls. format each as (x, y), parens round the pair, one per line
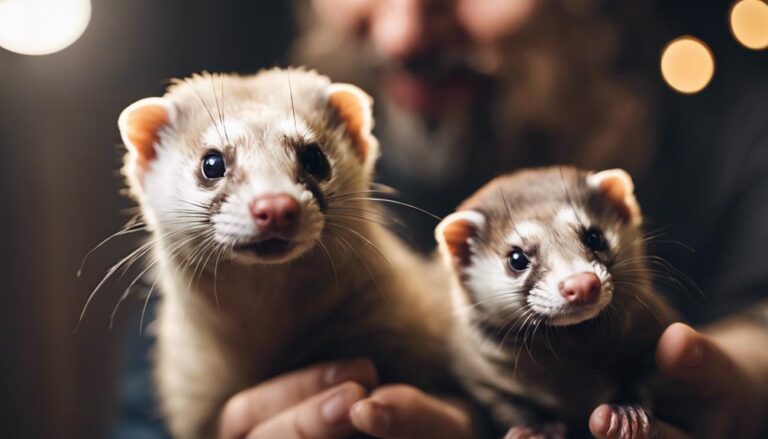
(528, 372)
(228, 322)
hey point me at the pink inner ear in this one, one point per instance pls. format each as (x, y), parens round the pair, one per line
(143, 126)
(351, 111)
(456, 235)
(615, 191)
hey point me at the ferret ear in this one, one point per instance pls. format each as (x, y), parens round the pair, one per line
(616, 185)
(454, 236)
(354, 108)
(140, 124)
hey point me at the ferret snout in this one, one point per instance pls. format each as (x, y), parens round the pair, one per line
(275, 213)
(581, 289)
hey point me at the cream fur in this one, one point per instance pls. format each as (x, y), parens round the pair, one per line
(228, 322)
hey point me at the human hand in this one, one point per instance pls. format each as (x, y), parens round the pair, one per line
(404, 412)
(309, 403)
(727, 368)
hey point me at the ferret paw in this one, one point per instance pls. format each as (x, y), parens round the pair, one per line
(621, 422)
(554, 430)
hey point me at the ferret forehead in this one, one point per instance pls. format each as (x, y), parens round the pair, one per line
(227, 130)
(526, 231)
(260, 126)
(572, 215)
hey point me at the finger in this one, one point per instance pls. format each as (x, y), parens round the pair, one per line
(320, 416)
(400, 411)
(686, 355)
(610, 421)
(253, 406)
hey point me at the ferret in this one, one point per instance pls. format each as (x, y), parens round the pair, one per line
(557, 312)
(267, 248)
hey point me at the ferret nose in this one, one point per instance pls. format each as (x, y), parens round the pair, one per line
(275, 213)
(581, 289)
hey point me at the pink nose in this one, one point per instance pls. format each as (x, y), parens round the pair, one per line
(581, 289)
(275, 213)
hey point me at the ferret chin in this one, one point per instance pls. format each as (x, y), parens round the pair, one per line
(267, 246)
(556, 309)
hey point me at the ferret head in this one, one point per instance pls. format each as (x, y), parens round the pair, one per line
(247, 164)
(554, 245)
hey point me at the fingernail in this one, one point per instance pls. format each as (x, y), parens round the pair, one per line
(381, 417)
(693, 356)
(614, 424)
(336, 407)
(344, 371)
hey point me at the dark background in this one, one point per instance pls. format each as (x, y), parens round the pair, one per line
(60, 155)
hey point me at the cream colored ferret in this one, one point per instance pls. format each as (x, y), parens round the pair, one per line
(269, 251)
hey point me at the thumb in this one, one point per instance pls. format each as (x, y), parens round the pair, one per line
(686, 355)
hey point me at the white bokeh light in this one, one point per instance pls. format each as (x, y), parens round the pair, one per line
(40, 27)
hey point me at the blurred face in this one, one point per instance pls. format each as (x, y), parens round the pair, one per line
(435, 51)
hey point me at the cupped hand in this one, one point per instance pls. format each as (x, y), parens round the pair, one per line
(309, 403)
(727, 368)
(404, 412)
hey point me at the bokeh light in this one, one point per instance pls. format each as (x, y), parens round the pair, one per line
(40, 27)
(749, 23)
(687, 64)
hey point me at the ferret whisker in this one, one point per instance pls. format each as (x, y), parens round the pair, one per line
(357, 218)
(362, 238)
(519, 352)
(362, 260)
(475, 304)
(515, 320)
(400, 203)
(222, 249)
(547, 328)
(640, 240)
(137, 227)
(293, 108)
(371, 215)
(509, 211)
(648, 308)
(570, 200)
(187, 262)
(669, 271)
(143, 249)
(196, 257)
(537, 324)
(146, 303)
(341, 196)
(127, 291)
(659, 261)
(528, 339)
(209, 252)
(662, 277)
(207, 110)
(330, 260)
(219, 107)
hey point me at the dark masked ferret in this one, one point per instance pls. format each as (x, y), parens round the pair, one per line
(557, 312)
(256, 190)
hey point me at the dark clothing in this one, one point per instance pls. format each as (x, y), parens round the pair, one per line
(138, 416)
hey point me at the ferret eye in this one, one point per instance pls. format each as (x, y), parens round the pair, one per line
(595, 240)
(517, 260)
(213, 166)
(314, 161)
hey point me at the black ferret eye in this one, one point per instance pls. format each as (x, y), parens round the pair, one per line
(314, 162)
(213, 165)
(517, 260)
(595, 240)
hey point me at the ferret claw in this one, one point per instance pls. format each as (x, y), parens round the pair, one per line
(544, 431)
(629, 422)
